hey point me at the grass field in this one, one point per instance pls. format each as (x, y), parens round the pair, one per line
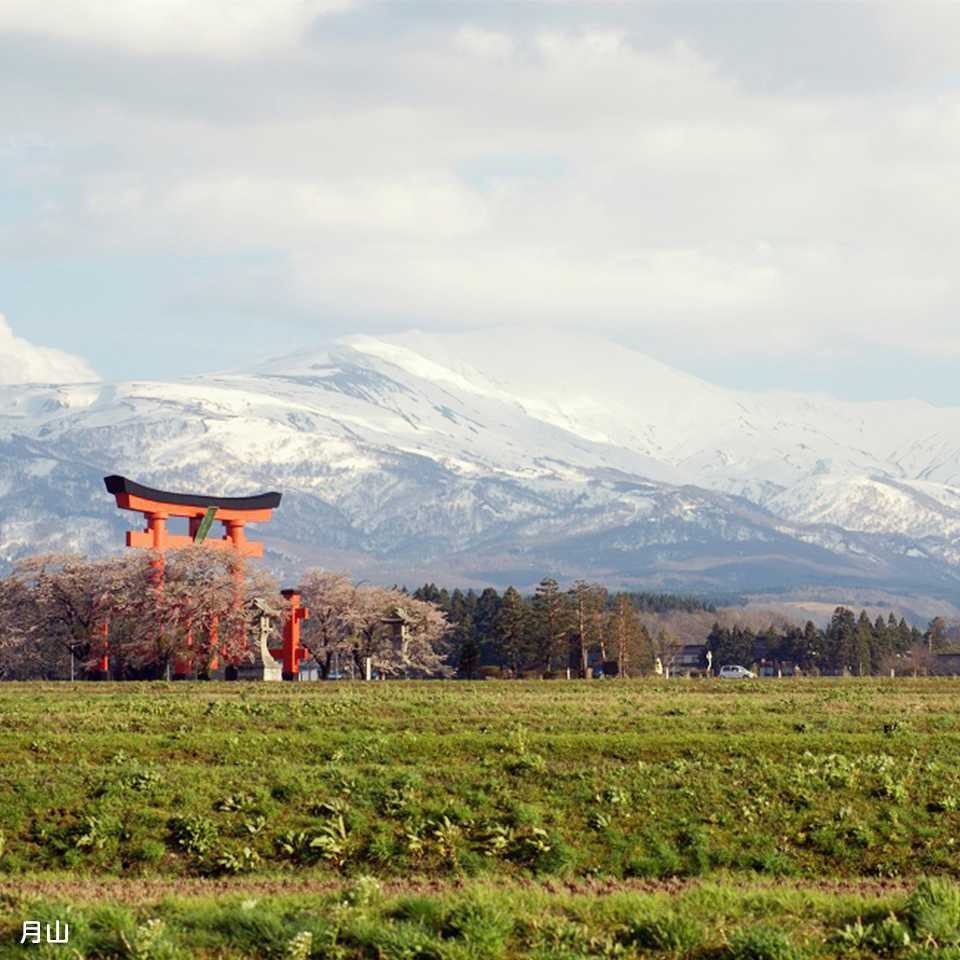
(549, 819)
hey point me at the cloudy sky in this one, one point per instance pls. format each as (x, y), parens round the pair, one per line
(767, 194)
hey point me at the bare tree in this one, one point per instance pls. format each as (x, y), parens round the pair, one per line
(588, 602)
(630, 638)
(194, 606)
(419, 650)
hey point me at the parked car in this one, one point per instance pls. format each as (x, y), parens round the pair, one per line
(735, 672)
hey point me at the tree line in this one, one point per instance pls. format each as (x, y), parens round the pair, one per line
(554, 630)
(848, 643)
(145, 612)
(586, 627)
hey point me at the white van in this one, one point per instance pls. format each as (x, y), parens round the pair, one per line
(736, 672)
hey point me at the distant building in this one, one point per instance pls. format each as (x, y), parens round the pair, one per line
(692, 659)
(947, 664)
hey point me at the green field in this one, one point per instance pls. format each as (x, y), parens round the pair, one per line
(434, 819)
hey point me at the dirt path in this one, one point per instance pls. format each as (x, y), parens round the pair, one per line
(145, 890)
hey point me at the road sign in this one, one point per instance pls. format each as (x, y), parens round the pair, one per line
(205, 524)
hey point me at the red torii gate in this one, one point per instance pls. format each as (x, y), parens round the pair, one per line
(157, 506)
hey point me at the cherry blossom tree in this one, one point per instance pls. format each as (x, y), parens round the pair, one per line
(191, 606)
(331, 599)
(349, 621)
(59, 604)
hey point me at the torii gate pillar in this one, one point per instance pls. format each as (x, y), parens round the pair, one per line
(293, 651)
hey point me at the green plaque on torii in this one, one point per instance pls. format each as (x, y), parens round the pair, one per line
(205, 524)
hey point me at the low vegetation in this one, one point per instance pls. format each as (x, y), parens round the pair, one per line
(621, 779)
(362, 919)
(423, 791)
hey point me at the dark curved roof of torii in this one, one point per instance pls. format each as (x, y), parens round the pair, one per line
(260, 501)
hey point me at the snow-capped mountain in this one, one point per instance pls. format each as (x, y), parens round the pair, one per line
(498, 456)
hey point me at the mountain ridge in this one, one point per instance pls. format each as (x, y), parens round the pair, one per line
(457, 454)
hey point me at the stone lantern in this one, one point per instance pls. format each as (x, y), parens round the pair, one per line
(398, 623)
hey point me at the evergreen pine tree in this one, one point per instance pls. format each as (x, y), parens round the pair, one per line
(720, 644)
(863, 664)
(904, 636)
(552, 623)
(841, 641)
(485, 622)
(882, 647)
(645, 651)
(467, 648)
(512, 631)
(812, 650)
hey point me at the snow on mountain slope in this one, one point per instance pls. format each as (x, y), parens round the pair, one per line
(873, 505)
(757, 445)
(503, 452)
(612, 394)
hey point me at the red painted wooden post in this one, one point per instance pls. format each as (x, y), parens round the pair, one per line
(103, 664)
(293, 652)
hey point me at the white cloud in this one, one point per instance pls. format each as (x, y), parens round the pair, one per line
(277, 210)
(592, 46)
(535, 166)
(221, 27)
(488, 44)
(536, 285)
(23, 362)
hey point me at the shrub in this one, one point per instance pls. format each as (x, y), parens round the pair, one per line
(235, 802)
(671, 933)
(243, 860)
(525, 763)
(150, 851)
(659, 860)
(149, 941)
(482, 925)
(556, 937)
(364, 892)
(257, 932)
(542, 851)
(933, 911)
(402, 941)
(299, 946)
(760, 943)
(94, 832)
(194, 835)
(694, 847)
(427, 911)
(888, 937)
(885, 938)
